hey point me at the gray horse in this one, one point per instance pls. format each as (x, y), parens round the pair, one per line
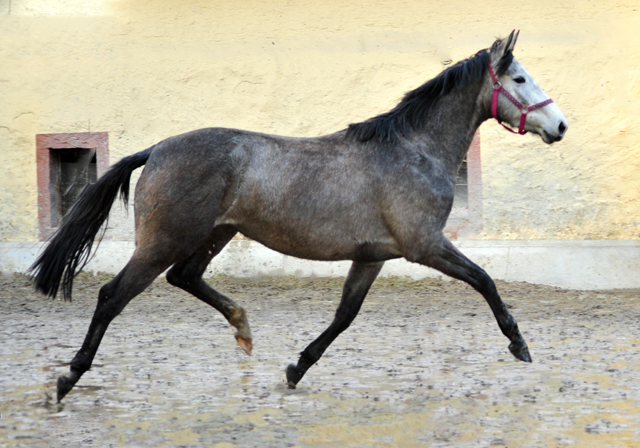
(379, 190)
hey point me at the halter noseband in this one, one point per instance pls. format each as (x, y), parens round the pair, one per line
(497, 90)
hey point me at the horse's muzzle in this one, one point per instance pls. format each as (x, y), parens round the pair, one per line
(550, 138)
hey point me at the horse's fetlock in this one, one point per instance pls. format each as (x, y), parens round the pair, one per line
(78, 367)
(307, 359)
(238, 317)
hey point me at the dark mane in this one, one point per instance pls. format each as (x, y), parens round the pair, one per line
(410, 114)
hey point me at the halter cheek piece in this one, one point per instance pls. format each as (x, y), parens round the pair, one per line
(497, 90)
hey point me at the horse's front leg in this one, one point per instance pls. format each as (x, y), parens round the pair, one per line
(445, 258)
(356, 286)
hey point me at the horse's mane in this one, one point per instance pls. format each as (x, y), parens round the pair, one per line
(411, 113)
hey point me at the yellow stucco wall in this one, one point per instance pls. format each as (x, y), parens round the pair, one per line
(146, 70)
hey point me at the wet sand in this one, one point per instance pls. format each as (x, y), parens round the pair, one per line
(423, 365)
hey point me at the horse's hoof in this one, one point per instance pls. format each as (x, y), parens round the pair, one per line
(245, 343)
(65, 384)
(520, 351)
(293, 376)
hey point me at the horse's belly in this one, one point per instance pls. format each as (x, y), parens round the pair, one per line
(364, 252)
(326, 243)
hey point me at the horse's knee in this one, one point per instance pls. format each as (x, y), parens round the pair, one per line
(483, 281)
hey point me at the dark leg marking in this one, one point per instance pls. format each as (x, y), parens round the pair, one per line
(112, 299)
(356, 286)
(450, 261)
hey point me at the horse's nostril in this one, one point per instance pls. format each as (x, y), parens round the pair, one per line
(562, 128)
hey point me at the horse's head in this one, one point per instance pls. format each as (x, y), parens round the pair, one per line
(517, 99)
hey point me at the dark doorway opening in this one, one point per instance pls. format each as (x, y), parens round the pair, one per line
(72, 169)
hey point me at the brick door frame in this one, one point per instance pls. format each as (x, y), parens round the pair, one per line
(45, 143)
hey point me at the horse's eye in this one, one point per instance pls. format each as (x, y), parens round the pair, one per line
(519, 79)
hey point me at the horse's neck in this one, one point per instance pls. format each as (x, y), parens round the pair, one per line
(451, 125)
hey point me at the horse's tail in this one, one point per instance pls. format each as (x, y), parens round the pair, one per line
(69, 249)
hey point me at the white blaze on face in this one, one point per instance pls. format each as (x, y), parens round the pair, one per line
(548, 121)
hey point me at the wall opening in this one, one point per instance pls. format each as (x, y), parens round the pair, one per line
(71, 170)
(461, 199)
(66, 163)
(466, 213)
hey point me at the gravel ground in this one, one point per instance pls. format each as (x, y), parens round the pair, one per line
(423, 365)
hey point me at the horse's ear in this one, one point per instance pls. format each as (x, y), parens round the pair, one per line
(504, 46)
(514, 38)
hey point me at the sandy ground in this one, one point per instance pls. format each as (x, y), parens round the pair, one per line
(423, 365)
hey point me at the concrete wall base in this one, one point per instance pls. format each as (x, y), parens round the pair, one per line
(566, 264)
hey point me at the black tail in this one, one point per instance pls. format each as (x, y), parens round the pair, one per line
(69, 249)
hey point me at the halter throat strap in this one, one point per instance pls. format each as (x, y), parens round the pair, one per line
(524, 110)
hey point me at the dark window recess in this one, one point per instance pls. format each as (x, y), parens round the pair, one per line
(71, 171)
(460, 208)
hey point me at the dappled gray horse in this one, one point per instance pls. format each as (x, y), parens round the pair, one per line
(379, 190)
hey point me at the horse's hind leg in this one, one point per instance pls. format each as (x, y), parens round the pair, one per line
(112, 299)
(450, 261)
(187, 275)
(356, 286)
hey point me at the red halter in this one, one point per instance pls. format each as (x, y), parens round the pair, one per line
(497, 90)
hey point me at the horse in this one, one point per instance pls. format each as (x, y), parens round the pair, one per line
(377, 190)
